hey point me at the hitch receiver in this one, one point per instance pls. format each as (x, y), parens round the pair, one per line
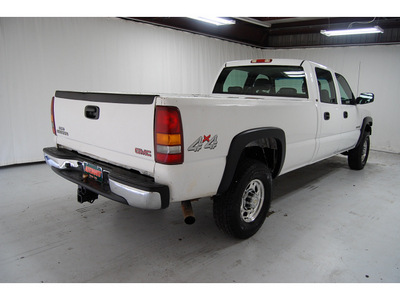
(85, 195)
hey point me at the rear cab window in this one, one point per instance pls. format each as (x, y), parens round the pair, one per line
(280, 81)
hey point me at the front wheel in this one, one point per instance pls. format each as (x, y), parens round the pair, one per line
(241, 211)
(358, 157)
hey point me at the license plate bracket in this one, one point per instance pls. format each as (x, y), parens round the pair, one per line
(93, 171)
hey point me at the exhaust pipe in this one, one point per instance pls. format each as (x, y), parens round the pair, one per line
(85, 195)
(188, 212)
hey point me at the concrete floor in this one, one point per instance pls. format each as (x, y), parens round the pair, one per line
(329, 224)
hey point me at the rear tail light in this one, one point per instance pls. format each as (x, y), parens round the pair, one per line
(53, 121)
(168, 135)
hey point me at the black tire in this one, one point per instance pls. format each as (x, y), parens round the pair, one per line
(241, 211)
(358, 157)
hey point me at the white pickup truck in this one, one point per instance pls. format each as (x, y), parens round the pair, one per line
(264, 118)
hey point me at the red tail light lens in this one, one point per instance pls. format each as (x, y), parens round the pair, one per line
(53, 121)
(168, 135)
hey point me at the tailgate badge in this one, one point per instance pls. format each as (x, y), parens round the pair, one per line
(61, 130)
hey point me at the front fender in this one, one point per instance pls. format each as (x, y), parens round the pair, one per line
(366, 122)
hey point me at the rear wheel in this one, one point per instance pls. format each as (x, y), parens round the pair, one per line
(241, 211)
(358, 157)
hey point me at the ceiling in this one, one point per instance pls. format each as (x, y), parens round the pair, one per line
(286, 32)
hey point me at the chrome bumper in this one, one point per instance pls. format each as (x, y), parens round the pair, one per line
(119, 184)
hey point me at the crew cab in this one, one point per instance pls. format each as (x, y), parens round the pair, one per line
(264, 118)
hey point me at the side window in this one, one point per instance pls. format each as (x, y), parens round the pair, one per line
(235, 81)
(326, 86)
(346, 95)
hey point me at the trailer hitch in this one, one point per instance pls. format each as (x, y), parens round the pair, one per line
(85, 195)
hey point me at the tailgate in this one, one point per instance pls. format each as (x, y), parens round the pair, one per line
(115, 128)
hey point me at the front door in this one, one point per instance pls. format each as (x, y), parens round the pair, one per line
(329, 116)
(350, 130)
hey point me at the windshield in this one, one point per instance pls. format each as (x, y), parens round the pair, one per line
(283, 81)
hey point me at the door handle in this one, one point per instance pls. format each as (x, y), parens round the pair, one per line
(327, 115)
(345, 114)
(92, 112)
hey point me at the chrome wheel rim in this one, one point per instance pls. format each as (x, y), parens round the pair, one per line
(364, 150)
(252, 200)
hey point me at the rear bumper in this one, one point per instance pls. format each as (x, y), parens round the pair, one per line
(118, 184)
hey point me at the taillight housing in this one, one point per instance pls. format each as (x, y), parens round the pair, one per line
(168, 135)
(53, 120)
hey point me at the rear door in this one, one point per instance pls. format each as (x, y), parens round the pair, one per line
(116, 128)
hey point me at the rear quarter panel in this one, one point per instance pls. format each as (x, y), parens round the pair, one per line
(204, 117)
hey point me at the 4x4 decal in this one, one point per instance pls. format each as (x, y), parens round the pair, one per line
(206, 140)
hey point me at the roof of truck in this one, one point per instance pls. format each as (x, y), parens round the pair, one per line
(265, 61)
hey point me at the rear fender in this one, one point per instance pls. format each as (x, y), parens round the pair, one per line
(250, 138)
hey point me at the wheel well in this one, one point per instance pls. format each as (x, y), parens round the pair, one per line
(266, 144)
(368, 129)
(367, 125)
(267, 151)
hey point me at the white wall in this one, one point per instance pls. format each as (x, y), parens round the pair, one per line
(41, 55)
(367, 69)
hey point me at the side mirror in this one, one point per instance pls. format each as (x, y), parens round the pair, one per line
(365, 98)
